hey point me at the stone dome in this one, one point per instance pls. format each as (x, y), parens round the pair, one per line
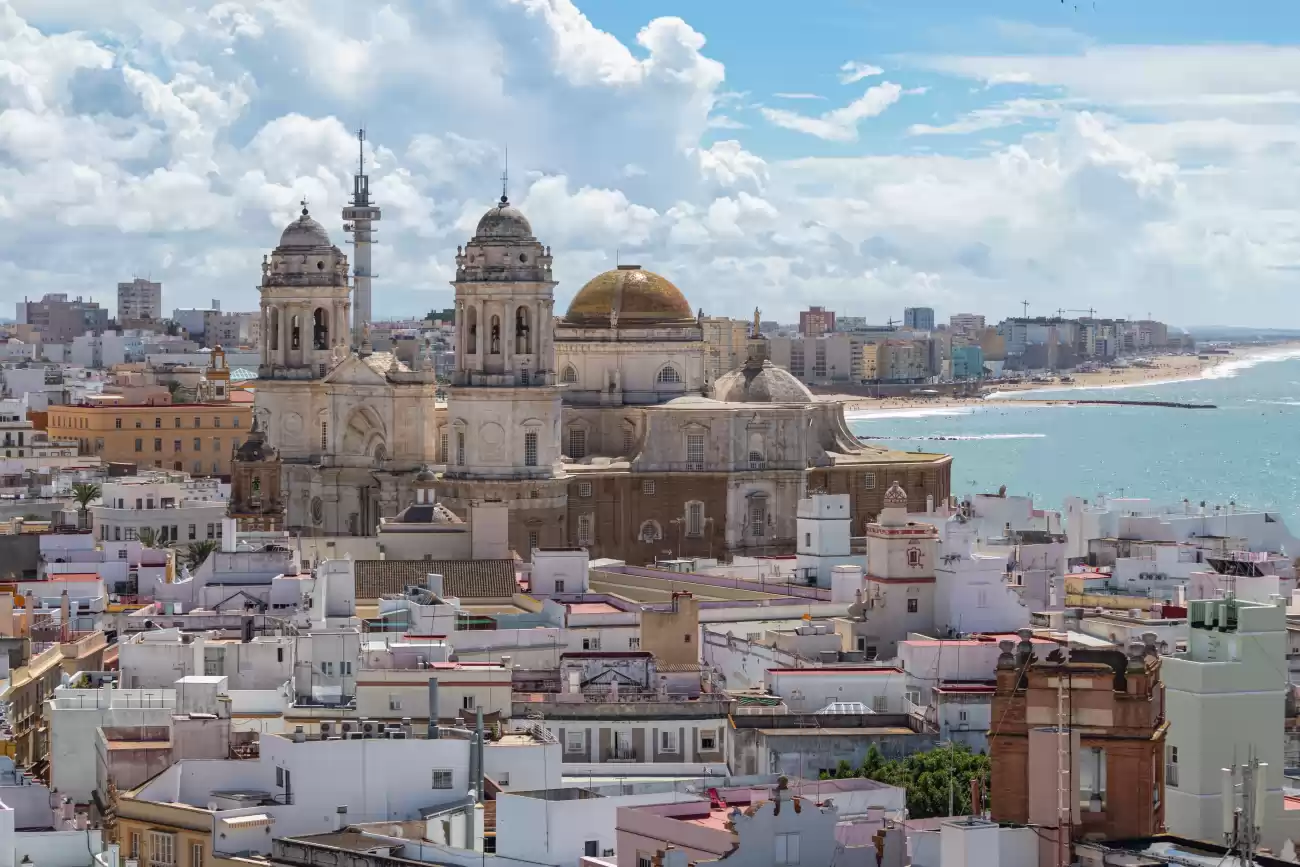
(896, 497)
(761, 383)
(638, 296)
(425, 477)
(305, 232)
(504, 221)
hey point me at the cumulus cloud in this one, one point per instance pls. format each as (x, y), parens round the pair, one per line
(841, 124)
(178, 138)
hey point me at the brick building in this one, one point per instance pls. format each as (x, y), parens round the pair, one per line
(1115, 713)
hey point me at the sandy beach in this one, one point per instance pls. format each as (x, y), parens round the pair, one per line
(1162, 369)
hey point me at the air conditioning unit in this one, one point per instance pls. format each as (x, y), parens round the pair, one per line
(327, 728)
(356, 736)
(369, 728)
(398, 735)
(348, 726)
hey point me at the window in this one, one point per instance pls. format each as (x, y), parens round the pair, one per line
(139, 423)
(577, 443)
(575, 741)
(559, 586)
(157, 444)
(134, 849)
(708, 740)
(695, 451)
(591, 644)
(279, 654)
(176, 422)
(629, 440)
(324, 436)
(584, 489)
(569, 374)
(585, 534)
(162, 849)
(216, 422)
(212, 533)
(130, 534)
(197, 421)
(157, 422)
(634, 644)
(442, 778)
(193, 534)
(530, 449)
(327, 669)
(644, 859)
(786, 853)
(648, 488)
(961, 716)
(467, 702)
(1171, 767)
(198, 467)
(345, 668)
(460, 448)
(532, 543)
(196, 855)
(758, 518)
(216, 444)
(234, 422)
(695, 518)
(176, 445)
(913, 605)
(117, 423)
(668, 375)
(442, 448)
(807, 540)
(591, 848)
(139, 502)
(667, 741)
(869, 481)
(880, 704)
(1092, 780)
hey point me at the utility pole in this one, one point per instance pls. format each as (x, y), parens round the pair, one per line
(1025, 305)
(1243, 826)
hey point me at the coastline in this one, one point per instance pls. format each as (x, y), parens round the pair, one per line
(1167, 369)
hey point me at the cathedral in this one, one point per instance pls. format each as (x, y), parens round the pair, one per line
(595, 428)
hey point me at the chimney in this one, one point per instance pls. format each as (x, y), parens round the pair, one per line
(478, 747)
(975, 807)
(433, 709)
(299, 736)
(340, 818)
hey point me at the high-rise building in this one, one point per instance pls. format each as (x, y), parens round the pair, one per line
(139, 299)
(918, 318)
(59, 320)
(966, 323)
(815, 321)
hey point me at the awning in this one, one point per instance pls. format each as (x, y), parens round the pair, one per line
(256, 820)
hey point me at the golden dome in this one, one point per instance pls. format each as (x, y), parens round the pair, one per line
(639, 297)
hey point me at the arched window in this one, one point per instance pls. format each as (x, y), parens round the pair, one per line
(494, 347)
(756, 460)
(471, 331)
(275, 329)
(295, 332)
(668, 375)
(569, 374)
(523, 332)
(320, 332)
(650, 532)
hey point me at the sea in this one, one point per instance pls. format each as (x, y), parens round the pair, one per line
(1243, 451)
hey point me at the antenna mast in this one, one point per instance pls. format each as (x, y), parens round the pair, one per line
(357, 219)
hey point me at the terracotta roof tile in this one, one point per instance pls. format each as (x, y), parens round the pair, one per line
(465, 579)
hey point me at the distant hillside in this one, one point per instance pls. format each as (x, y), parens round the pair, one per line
(1232, 332)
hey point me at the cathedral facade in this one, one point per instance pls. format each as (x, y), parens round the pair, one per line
(349, 428)
(596, 428)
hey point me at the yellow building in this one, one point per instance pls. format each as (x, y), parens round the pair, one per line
(151, 832)
(31, 684)
(197, 438)
(871, 355)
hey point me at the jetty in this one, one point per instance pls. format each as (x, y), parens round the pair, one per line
(1165, 403)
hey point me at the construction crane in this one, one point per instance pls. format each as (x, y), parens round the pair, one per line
(1090, 311)
(1025, 305)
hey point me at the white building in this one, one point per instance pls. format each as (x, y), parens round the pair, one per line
(157, 658)
(139, 299)
(1226, 700)
(176, 508)
(972, 593)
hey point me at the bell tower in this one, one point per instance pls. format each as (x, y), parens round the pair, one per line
(504, 403)
(305, 306)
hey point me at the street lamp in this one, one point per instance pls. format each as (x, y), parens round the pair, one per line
(678, 523)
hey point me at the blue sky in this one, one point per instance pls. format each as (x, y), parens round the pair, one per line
(1133, 157)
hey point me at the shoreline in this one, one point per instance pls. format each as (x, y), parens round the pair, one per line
(1167, 369)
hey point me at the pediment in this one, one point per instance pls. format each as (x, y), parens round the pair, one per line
(354, 371)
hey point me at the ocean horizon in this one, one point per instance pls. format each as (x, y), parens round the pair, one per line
(1242, 451)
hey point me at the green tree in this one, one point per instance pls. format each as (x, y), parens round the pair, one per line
(197, 553)
(148, 537)
(85, 493)
(927, 777)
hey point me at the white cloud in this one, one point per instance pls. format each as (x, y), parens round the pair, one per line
(841, 124)
(798, 95)
(1009, 113)
(854, 71)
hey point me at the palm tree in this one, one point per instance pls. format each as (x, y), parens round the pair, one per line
(85, 493)
(198, 552)
(148, 537)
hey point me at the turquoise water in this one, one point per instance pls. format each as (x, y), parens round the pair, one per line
(1244, 451)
